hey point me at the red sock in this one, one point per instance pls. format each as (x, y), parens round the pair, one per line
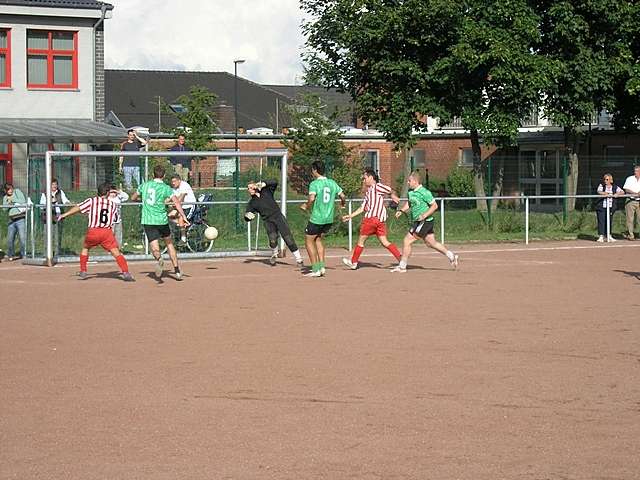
(84, 259)
(122, 263)
(394, 251)
(356, 253)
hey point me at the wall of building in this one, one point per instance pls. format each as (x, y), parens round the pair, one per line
(20, 102)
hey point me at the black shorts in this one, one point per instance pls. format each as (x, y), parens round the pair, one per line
(317, 230)
(156, 232)
(421, 229)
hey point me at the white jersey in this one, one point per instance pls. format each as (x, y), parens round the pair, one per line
(189, 196)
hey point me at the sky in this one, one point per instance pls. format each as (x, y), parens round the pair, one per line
(207, 35)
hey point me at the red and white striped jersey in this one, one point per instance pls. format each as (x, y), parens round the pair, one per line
(374, 201)
(101, 211)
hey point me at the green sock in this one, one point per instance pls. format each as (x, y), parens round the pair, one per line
(321, 265)
(315, 267)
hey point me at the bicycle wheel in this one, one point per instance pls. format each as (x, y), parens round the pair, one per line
(196, 241)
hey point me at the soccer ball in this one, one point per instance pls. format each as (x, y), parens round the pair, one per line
(211, 233)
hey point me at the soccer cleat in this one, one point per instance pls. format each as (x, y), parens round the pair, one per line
(159, 267)
(349, 263)
(127, 277)
(600, 239)
(454, 261)
(300, 263)
(323, 271)
(611, 239)
(313, 274)
(272, 260)
(398, 269)
(82, 275)
(178, 274)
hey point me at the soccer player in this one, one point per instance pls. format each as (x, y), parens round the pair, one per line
(422, 206)
(102, 214)
(375, 214)
(155, 195)
(321, 201)
(275, 223)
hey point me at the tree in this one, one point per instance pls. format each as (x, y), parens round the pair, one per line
(313, 136)
(403, 60)
(196, 119)
(586, 51)
(626, 113)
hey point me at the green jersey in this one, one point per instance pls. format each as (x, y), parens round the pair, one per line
(154, 193)
(326, 191)
(420, 200)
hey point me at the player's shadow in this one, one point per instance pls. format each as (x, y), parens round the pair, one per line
(431, 269)
(635, 275)
(165, 276)
(373, 265)
(264, 261)
(112, 275)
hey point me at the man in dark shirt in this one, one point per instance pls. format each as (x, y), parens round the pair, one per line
(262, 202)
(130, 166)
(181, 164)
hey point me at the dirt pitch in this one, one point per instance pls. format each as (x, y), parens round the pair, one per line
(524, 364)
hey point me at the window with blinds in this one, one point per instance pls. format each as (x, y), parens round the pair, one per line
(52, 59)
(5, 57)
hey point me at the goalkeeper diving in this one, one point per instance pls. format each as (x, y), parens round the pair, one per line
(263, 203)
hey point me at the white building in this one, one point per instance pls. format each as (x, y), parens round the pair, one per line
(51, 88)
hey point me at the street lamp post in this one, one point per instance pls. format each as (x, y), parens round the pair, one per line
(235, 115)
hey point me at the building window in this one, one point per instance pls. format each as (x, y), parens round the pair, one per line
(466, 157)
(613, 156)
(52, 59)
(5, 57)
(6, 172)
(418, 159)
(370, 159)
(541, 174)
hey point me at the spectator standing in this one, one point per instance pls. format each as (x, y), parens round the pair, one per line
(17, 223)
(180, 164)
(608, 190)
(632, 208)
(130, 166)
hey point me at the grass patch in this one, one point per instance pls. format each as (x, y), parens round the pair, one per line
(462, 225)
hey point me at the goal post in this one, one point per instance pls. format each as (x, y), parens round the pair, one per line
(51, 155)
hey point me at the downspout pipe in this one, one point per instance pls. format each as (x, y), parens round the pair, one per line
(103, 14)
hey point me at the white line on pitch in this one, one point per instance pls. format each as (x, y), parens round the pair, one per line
(501, 250)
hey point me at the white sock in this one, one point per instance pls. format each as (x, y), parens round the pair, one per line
(402, 264)
(450, 255)
(275, 252)
(297, 255)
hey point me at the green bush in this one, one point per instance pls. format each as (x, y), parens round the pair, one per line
(578, 221)
(349, 176)
(269, 172)
(460, 182)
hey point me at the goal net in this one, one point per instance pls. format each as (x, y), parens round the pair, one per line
(61, 179)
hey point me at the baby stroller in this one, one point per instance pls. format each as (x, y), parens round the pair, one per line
(196, 241)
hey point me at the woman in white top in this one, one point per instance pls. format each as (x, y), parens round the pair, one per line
(58, 198)
(608, 190)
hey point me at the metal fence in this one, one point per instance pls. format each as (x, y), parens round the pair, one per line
(512, 214)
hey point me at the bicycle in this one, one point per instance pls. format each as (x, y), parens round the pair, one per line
(196, 242)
